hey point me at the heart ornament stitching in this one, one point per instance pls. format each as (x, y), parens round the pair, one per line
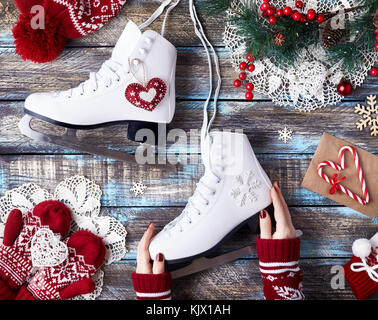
(146, 97)
(47, 250)
(336, 184)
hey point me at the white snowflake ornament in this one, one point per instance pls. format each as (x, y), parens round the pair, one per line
(369, 115)
(285, 134)
(138, 188)
(244, 188)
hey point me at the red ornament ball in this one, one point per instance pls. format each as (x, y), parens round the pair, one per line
(376, 31)
(280, 13)
(376, 38)
(287, 11)
(249, 95)
(251, 67)
(243, 65)
(311, 14)
(237, 83)
(272, 20)
(242, 76)
(320, 18)
(249, 86)
(376, 46)
(264, 6)
(299, 4)
(249, 57)
(374, 72)
(344, 88)
(296, 16)
(271, 11)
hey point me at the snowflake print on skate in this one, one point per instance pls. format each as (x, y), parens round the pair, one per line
(243, 188)
(289, 293)
(147, 97)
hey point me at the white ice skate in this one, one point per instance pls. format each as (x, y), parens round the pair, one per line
(135, 86)
(231, 193)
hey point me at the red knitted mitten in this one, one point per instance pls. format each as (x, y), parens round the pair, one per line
(15, 252)
(73, 277)
(282, 277)
(152, 286)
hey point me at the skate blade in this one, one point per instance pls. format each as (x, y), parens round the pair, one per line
(204, 263)
(69, 140)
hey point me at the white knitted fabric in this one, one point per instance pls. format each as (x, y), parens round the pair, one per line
(312, 82)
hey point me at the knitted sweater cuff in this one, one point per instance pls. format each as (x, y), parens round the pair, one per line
(361, 284)
(152, 286)
(24, 294)
(274, 250)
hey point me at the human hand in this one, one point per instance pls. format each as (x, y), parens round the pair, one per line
(284, 225)
(143, 256)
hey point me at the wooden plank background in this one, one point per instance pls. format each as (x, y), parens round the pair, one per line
(329, 229)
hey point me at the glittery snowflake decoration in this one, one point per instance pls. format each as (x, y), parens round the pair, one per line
(243, 188)
(285, 134)
(138, 188)
(369, 115)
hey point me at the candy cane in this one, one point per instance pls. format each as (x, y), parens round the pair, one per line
(358, 167)
(342, 166)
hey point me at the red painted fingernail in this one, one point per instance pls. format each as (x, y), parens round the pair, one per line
(262, 214)
(149, 225)
(159, 257)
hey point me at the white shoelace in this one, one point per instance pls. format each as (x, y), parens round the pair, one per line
(109, 73)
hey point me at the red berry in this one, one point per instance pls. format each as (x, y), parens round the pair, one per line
(237, 83)
(264, 6)
(243, 65)
(249, 86)
(280, 12)
(376, 46)
(287, 11)
(272, 20)
(299, 4)
(249, 57)
(271, 11)
(374, 72)
(376, 31)
(311, 14)
(296, 16)
(242, 75)
(251, 67)
(376, 38)
(320, 18)
(249, 95)
(303, 18)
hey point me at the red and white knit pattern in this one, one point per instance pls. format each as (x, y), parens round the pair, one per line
(282, 277)
(48, 282)
(152, 286)
(88, 15)
(15, 260)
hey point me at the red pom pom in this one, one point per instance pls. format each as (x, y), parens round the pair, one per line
(320, 18)
(37, 45)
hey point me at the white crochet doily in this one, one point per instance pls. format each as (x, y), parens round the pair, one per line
(309, 84)
(83, 197)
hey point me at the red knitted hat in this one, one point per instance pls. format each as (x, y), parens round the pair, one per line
(42, 42)
(362, 271)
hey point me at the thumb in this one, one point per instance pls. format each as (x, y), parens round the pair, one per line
(265, 225)
(159, 265)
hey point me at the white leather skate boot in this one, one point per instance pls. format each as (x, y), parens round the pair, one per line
(135, 86)
(232, 191)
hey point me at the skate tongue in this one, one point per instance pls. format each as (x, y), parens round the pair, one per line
(126, 43)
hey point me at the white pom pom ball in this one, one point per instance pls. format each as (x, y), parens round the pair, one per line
(361, 248)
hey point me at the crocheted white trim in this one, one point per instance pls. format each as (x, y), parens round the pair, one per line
(309, 84)
(83, 197)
